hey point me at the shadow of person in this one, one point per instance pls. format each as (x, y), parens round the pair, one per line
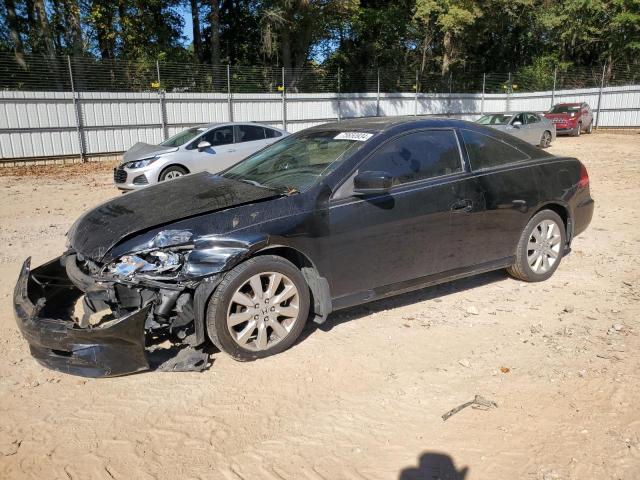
(434, 466)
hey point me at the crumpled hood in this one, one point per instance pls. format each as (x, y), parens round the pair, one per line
(143, 150)
(100, 229)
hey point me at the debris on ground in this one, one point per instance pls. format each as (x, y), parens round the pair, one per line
(479, 403)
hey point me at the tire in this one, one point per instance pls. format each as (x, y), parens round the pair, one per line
(526, 266)
(171, 172)
(241, 337)
(578, 130)
(545, 140)
(589, 129)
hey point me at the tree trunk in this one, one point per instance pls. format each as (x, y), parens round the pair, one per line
(43, 23)
(75, 28)
(14, 27)
(197, 40)
(215, 32)
(104, 27)
(446, 53)
(285, 47)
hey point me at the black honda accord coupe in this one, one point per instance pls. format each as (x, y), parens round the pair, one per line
(333, 216)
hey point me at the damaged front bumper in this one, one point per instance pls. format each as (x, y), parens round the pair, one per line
(44, 303)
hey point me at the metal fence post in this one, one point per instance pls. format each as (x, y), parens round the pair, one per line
(77, 107)
(484, 82)
(284, 102)
(229, 94)
(163, 110)
(604, 69)
(449, 99)
(508, 102)
(339, 105)
(415, 99)
(378, 96)
(553, 92)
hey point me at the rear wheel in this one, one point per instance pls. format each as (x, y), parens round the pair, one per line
(540, 248)
(259, 309)
(174, 171)
(545, 141)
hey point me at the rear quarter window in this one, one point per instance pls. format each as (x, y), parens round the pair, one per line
(485, 151)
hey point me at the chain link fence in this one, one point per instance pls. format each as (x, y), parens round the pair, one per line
(86, 74)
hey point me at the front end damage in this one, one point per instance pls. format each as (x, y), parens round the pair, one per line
(142, 311)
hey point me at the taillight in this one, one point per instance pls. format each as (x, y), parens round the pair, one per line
(584, 177)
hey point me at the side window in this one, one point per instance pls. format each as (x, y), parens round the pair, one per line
(519, 118)
(532, 118)
(217, 137)
(272, 133)
(486, 152)
(417, 156)
(249, 133)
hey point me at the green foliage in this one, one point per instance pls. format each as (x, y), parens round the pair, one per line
(449, 42)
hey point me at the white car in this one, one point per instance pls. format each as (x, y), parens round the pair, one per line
(213, 147)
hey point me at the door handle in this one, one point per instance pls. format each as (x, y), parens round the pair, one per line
(462, 206)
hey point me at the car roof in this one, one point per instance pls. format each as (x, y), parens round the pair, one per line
(570, 103)
(222, 124)
(381, 124)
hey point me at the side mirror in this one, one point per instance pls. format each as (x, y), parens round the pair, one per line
(371, 183)
(516, 124)
(203, 145)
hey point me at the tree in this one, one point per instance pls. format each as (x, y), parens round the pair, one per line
(197, 38)
(215, 32)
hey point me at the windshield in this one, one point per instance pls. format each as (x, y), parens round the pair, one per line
(498, 119)
(183, 137)
(565, 109)
(296, 162)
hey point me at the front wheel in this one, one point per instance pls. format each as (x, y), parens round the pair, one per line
(259, 308)
(590, 128)
(578, 130)
(174, 171)
(540, 248)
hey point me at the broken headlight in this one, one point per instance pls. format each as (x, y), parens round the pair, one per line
(156, 262)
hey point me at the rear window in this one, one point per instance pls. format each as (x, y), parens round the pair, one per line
(487, 152)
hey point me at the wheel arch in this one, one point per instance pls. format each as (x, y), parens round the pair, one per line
(318, 285)
(175, 164)
(564, 213)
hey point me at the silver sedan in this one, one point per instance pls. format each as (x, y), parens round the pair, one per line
(528, 126)
(213, 147)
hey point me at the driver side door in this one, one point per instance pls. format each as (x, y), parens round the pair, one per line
(385, 239)
(218, 156)
(520, 130)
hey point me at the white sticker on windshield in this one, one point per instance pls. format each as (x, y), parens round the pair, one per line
(357, 136)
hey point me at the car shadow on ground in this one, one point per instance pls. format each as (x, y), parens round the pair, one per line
(416, 296)
(434, 465)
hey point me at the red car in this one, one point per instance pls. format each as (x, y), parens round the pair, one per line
(571, 118)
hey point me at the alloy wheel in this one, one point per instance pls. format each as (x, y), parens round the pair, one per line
(544, 246)
(263, 310)
(172, 174)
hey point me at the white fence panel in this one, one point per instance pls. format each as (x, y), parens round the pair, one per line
(44, 124)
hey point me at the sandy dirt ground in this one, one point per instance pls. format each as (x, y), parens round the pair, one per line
(362, 396)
